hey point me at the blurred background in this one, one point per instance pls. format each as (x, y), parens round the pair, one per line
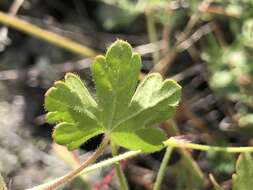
(207, 46)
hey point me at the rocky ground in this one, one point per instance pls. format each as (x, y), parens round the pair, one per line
(25, 161)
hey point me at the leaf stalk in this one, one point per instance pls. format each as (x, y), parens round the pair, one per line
(64, 179)
(119, 172)
(163, 168)
(172, 143)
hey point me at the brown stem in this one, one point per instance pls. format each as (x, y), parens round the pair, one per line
(87, 162)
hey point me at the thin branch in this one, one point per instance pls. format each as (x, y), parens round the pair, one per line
(163, 65)
(15, 7)
(203, 30)
(165, 62)
(189, 72)
(149, 47)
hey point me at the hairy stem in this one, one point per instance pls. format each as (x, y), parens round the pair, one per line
(72, 174)
(95, 167)
(173, 142)
(163, 168)
(119, 171)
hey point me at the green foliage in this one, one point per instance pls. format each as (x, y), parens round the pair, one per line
(246, 119)
(121, 111)
(242, 180)
(138, 6)
(230, 63)
(222, 163)
(230, 72)
(115, 14)
(112, 17)
(185, 178)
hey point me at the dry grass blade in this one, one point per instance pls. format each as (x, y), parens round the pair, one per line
(48, 36)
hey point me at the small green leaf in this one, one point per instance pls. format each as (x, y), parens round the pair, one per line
(121, 111)
(242, 180)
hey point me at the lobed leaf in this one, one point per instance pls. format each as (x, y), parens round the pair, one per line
(120, 110)
(154, 101)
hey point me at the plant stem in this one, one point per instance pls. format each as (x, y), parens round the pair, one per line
(163, 168)
(215, 183)
(111, 161)
(170, 142)
(173, 142)
(119, 171)
(94, 167)
(46, 35)
(173, 130)
(56, 183)
(152, 34)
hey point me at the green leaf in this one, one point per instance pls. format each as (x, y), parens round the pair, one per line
(154, 101)
(70, 104)
(242, 180)
(121, 111)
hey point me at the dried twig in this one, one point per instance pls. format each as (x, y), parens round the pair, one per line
(165, 63)
(4, 39)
